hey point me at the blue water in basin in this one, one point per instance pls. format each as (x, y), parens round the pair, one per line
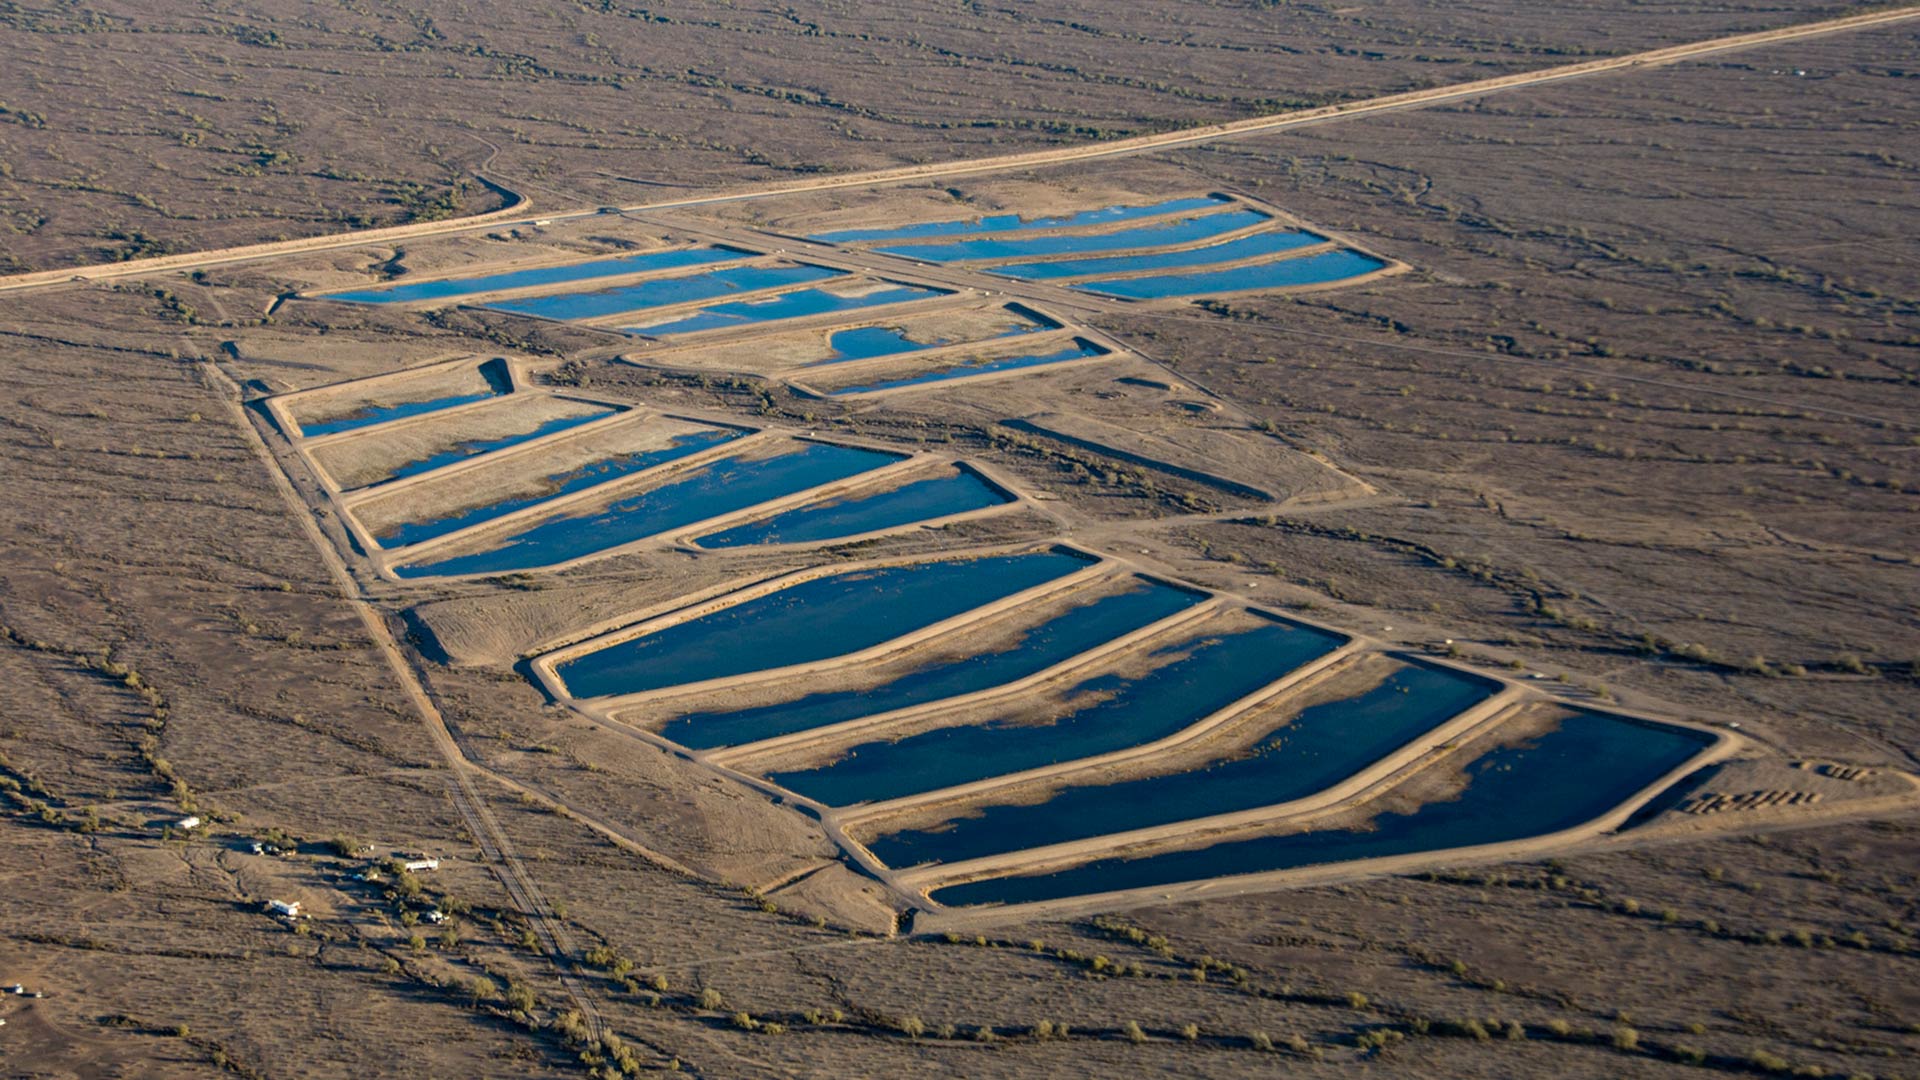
(1194, 678)
(719, 487)
(1306, 270)
(1178, 232)
(1246, 247)
(663, 291)
(476, 447)
(1556, 781)
(813, 620)
(586, 476)
(791, 305)
(1010, 222)
(1321, 746)
(955, 492)
(548, 275)
(978, 366)
(1058, 639)
(865, 342)
(493, 371)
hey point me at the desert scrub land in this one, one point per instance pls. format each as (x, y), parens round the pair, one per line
(1637, 422)
(128, 131)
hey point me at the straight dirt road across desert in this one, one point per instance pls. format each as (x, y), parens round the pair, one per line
(1124, 147)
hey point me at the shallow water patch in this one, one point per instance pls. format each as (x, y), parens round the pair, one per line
(555, 485)
(793, 305)
(1188, 681)
(816, 619)
(955, 490)
(1246, 247)
(1322, 269)
(1078, 629)
(1306, 751)
(702, 492)
(1189, 231)
(973, 366)
(661, 292)
(450, 288)
(1541, 785)
(1011, 222)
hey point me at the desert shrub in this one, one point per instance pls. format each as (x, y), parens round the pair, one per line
(710, 998)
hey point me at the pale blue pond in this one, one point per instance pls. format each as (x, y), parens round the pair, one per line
(791, 305)
(493, 371)
(546, 275)
(1320, 746)
(1555, 781)
(559, 484)
(663, 291)
(1193, 679)
(814, 620)
(1246, 247)
(956, 491)
(1076, 630)
(710, 490)
(866, 342)
(1188, 231)
(1328, 266)
(961, 369)
(1010, 222)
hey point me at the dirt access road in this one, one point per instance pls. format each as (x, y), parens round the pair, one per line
(1142, 145)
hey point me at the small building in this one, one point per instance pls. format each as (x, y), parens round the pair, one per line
(284, 909)
(191, 821)
(436, 916)
(429, 862)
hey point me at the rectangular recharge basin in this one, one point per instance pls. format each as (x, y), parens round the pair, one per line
(1307, 752)
(1011, 222)
(955, 490)
(450, 288)
(1195, 677)
(558, 484)
(706, 491)
(978, 365)
(1246, 247)
(1179, 232)
(661, 292)
(1040, 647)
(823, 617)
(1555, 781)
(1321, 269)
(793, 305)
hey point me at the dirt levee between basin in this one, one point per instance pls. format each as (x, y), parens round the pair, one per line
(798, 348)
(387, 449)
(519, 477)
(1234, 459)
(328, 405)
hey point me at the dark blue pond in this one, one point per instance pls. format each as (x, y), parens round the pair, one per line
(710, 490)
(791, 305)
(663, 291)
(1194, 679)
(559, 484)
(978, 366)
(1305, 270)
(476, 447)
(1058, 639)
(1246, 247)
(1556, 781)
(493, 371)
(814, 620)
(1010, 222)
(1321, 746)
(956, 492)
(547, 275)
(1189, 231)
